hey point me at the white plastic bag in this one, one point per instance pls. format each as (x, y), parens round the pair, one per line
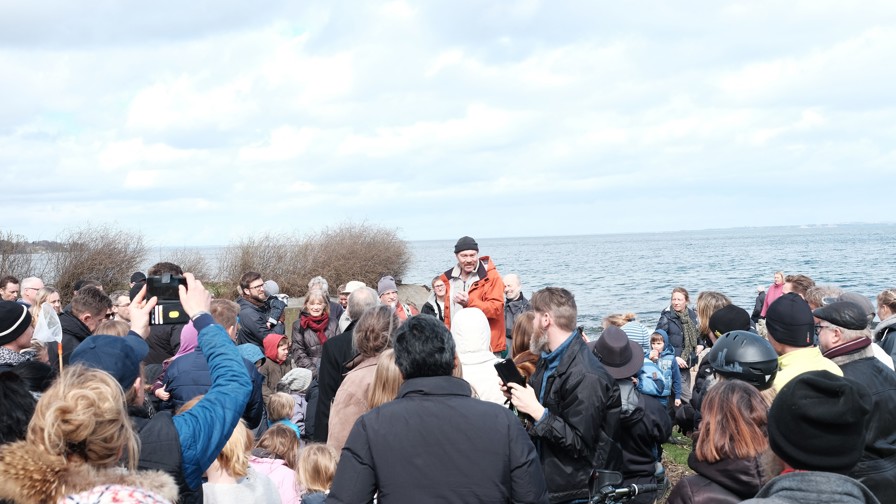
(48, 328)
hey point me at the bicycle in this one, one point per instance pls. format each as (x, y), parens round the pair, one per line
(605, 488)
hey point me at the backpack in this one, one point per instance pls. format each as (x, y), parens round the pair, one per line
(651, 380)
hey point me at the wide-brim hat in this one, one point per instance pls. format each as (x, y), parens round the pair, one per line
(620, 356)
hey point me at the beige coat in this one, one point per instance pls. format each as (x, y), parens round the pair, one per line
(350, 401)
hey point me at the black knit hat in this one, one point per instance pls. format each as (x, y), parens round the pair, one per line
(729, 318)
(845, 314)
(14, 320)
(465, 243)
(818, 421)
(789, 321)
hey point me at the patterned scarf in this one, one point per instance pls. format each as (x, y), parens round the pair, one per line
(318, 324)
(690, 333)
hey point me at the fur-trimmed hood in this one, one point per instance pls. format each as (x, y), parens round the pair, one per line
(30, 476)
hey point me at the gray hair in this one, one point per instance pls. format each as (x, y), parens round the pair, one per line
(321, 283)
(361, 300)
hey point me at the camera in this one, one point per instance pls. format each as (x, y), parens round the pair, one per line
(168, 309)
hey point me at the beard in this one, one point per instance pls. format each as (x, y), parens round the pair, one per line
(539, 341)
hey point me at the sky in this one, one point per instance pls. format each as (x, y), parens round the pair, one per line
(201, 123)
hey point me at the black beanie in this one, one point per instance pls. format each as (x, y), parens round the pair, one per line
(729, 318)
(14, 319)
(817, 422)
(466, 243)
(789, 321)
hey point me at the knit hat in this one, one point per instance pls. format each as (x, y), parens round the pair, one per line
(620, 356)
(14, 319)
(817, 422)
(729, 318)
(845, 314)
(854, 297)
(386, 284)
(138, 276)
(271, 288)
(297, 380)
(116, 355)
(789, 321)
(465, 243)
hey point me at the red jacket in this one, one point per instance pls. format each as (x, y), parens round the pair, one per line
(487, 294)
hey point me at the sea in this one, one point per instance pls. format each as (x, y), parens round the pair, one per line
(636, 272)
(621, 273)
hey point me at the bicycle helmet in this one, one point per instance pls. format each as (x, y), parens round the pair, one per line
(745, 356)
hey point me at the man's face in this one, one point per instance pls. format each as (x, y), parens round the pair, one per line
(92, 321)
(512, 287)
(439, 288)
(468, 260)
(343, 299)
(539, 342)
(255, 291)
(827, 336)
(29, 291)
(121, 308)
(9, 292)
(389, 298)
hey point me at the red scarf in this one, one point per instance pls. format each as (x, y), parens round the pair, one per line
(319, 325)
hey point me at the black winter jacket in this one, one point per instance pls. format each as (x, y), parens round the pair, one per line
(877, 467)
(581, 429)
(436, 443)
(336, 352)
(727, 481)
(253, 324)
(670, 323)
(73, 333)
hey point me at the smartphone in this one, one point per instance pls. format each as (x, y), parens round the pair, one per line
(164, 287)
(509, 373)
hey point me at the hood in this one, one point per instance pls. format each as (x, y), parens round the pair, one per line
(472, 335)
(271, 342)
(742, 477)
(250, 352)
(667, 349)
(189, 340)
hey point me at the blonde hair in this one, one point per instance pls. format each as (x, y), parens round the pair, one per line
(280, 406)
(319, 295)
(619, 319)
(83, 416)
(42, 294)
(708, 302)
(317, 466)
(386, 380)
(888, 298)
(281, 441)
(234, 457)
(521, 332)
(112, 328)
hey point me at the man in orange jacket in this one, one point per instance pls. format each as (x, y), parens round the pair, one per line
(475, 283)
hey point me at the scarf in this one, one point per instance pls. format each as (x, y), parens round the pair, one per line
(317, 324)
(256, 303)
(690, 333)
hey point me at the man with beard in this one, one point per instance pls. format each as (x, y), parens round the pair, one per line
(572, 401)
(515, 305)
(475, 283)
(253, 311)
(388, 293)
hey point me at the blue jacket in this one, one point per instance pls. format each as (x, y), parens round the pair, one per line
(669, 367)
(188, 376)
(205, 428)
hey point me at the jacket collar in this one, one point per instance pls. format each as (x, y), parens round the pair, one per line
(435, 385)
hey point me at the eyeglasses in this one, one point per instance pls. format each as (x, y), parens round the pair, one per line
(32, 288)
(110, 316)
(122, 305)
(819, 328)
(257, 287)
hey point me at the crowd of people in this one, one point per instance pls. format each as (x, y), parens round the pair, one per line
(369, 398)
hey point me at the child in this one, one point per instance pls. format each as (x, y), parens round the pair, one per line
(276, 349)
(317, 466)
(296, 383)
(663, 356)
(280, 409)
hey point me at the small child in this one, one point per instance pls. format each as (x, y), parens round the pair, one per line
(317, 467)
(663, 357)
(280, 409)
(275, 305)
(297, 383)
(277, 365)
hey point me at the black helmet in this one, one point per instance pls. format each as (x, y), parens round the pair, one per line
(745, 356)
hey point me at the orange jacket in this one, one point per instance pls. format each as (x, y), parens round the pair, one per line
(487, 294)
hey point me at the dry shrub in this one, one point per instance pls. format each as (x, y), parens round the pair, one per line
(15, 256)
(340, 254)
(191, 260)
(103, 253)
(357, 252)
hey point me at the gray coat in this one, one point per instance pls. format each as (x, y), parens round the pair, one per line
(813, 487)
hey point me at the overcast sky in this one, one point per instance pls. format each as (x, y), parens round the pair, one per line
(197, 123)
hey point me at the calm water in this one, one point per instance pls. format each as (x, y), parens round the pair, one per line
(636, 272)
